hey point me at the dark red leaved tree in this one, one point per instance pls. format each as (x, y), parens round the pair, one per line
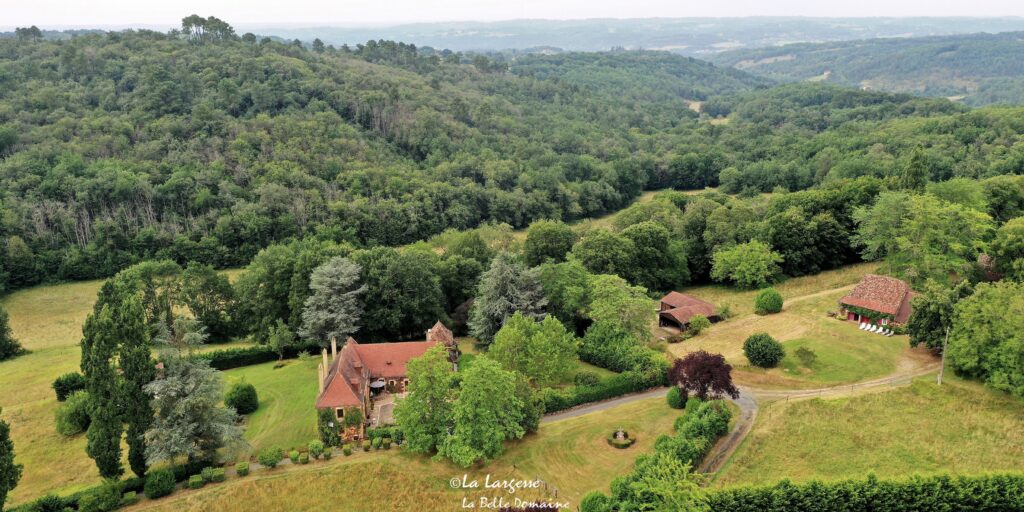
(703, 374)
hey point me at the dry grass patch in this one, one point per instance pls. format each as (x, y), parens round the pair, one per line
(960, 428)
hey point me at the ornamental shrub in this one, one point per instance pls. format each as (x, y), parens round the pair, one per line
(196, 482)
(72, 416)
(763, 350)
(159, 483)
(768, 301)
(328, 453)
(386, 443)
(294, 456)
(303, 458)
(698, 323)
(316, 449)
(218, 475)
(366, 446)
(242, 468)
(347, 450)
(675, 397)
(67, 384)
(207, 474)
(242, 396)
(376, 443)
(270, 457)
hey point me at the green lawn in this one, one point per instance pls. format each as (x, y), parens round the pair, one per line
(286, 417)
(960, 427)
(845, 354)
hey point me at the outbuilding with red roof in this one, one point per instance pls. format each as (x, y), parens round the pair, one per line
(879, 300)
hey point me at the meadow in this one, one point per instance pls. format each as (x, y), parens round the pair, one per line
(959, 427)
(844, 354)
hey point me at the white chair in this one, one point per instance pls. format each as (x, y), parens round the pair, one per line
(863, 326)
(874, 328)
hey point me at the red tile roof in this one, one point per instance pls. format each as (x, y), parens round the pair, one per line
(358, 364)
(682, 307)
(441, 334)
(883, 294)
(388, 360)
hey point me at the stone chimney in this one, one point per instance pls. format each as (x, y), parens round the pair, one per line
(334, 348)
(320, 372)
(327, 365)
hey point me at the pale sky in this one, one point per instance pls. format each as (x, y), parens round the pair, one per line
(168, 13)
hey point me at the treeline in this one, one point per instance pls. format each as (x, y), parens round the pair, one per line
(127, 146)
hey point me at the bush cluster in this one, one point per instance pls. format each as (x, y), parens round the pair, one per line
(294, 456)
(763, 350)
(242, 396)
(697, 324)
(675, 397)
(72, 417)
(242, 468)
(768, 301)
(984, 492)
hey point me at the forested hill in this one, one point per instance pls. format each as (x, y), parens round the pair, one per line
(979, 69)
(127, 146)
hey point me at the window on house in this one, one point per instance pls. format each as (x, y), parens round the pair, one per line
(885, 321)
(340, 413)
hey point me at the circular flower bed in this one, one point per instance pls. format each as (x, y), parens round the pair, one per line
(621, 439)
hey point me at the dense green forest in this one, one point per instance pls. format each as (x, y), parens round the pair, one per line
(980, 69)
(206, 146)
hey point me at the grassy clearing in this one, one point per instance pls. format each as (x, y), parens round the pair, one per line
(844, 353)
(960, 427)
(571, 455)
(48, 322)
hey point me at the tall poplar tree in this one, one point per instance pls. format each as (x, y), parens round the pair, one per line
(99, 343)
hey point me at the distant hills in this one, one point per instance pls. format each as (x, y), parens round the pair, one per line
(977, 69)
(688, 36)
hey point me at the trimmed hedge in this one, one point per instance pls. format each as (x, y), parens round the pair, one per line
(610, 387)
(196, 482)
(963, 493)
(67, 384)
(229, 358)
(675, 398)
(242, 468)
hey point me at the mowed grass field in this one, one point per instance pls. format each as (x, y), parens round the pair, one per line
(571, 456)
(844, 353)
(286, 418)
(47, 320)
(959, 427)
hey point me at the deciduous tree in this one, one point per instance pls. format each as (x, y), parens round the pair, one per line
(542, 351)
(10, 473)
(703, 374)
(425, 414)
(487, 413)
